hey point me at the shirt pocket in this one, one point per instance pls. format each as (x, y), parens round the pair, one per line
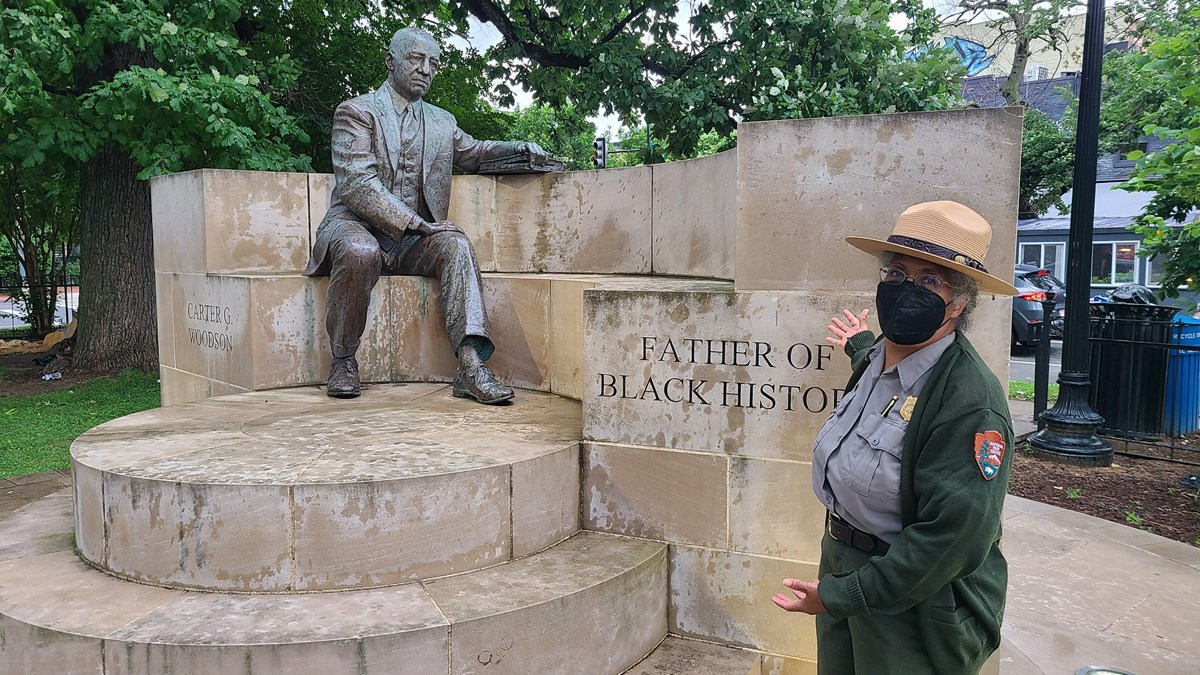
(876, 474)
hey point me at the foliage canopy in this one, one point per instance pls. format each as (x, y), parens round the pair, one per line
(691, 68)
(166, 82)
(1163, 83)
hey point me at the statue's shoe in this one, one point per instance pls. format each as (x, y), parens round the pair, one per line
(480, 383)
(343, 378)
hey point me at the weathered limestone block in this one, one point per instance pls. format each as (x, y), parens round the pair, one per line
(545, 501)
(290, 490)
(804, 185)
(473, 208)
(240, 333)
(387, 532)
(724, 372)
(178, 387)
(772, 509)
(745, 373)
(607, 594)
(232, 333)
(656, 494)
(197, 536)
(726, 597)
(695, 210)
(231, 222)
(681, 655)
(578, 222)
(52, 624)
(212, 327)
(218, 633)
(593, 604)
(566, 329)
(320, 196)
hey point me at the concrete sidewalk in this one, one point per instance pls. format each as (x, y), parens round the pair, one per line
(1082, 591)
(1022, 417)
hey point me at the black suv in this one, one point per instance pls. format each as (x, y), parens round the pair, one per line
(1033, 284)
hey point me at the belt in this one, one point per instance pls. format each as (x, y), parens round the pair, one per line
(846, 533)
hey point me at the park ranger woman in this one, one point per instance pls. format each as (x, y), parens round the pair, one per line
(913, 466)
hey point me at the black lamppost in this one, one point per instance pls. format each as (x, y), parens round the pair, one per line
(1070, 431)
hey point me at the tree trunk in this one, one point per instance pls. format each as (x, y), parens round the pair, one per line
(1011, 91)
(117, 325)
(118, 328)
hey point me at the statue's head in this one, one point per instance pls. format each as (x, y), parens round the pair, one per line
(412, 61)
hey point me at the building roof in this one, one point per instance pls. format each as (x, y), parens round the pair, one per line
(1044, 95)
(1048, 225)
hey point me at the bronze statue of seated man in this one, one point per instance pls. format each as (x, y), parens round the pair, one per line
(393, 155)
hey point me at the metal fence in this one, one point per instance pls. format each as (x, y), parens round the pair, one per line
(14, 312)
(1145, 372)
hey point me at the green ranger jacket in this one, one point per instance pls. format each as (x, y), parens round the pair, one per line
(946, 562)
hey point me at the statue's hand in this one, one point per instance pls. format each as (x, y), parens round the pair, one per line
(426, 229)
(536, 154)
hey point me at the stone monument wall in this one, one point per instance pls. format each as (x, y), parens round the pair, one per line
(235, 314)
(685, 304)
(701, 405)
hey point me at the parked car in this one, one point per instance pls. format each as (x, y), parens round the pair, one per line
(1033, 283)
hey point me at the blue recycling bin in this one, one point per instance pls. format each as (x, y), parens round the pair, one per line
(1183, 379)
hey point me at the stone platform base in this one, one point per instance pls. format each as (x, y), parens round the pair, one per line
(593, 604)
(290, 490)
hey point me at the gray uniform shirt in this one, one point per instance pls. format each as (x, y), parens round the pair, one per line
(856, 457)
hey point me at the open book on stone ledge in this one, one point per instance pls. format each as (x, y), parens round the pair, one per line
(520, 163)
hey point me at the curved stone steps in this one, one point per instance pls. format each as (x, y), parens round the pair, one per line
(289, 490)
(592, 604)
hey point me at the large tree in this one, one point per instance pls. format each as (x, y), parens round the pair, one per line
(338, 48)
(1162, 83)
(1047, 162)
(121, 90)
(690, 68)
(1020, 24)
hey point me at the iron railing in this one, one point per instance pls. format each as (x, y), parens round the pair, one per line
(1145, 372)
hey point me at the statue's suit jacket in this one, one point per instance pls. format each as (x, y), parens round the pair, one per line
(366, 154)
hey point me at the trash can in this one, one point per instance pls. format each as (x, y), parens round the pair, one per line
(1183, 378)
(1128, 349)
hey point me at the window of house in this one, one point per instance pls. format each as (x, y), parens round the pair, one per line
(1051, 256)
(1127, 148)
(1154, 271)
(1114, 263)
(1123, 151)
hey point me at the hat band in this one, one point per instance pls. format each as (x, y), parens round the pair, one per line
(938, 250)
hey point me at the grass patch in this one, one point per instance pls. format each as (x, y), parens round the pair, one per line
(37, 430)
(16, 333)
(1022, 390)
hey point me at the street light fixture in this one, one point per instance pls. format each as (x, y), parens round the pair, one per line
(1070, 426)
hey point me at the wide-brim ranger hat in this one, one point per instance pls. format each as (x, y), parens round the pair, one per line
(945, 233)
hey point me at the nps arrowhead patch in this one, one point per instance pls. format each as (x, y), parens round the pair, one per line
(989, 453)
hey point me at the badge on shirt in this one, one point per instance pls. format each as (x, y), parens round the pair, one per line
(989, 453)
(907, 408)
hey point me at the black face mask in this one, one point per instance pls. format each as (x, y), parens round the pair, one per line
(909, 314)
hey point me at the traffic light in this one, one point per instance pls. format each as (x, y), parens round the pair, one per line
(600, 153)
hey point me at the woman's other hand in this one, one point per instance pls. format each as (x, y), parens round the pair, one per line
(843, 331)
(803, 598)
